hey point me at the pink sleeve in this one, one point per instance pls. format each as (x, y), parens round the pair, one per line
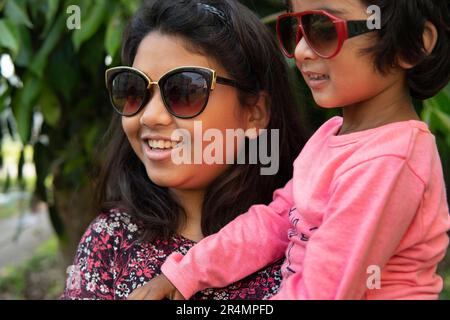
(370, 209)
(245, 245)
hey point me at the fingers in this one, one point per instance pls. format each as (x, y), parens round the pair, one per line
(147, 292)
(138, 294)
(157, 289)
(177, 296)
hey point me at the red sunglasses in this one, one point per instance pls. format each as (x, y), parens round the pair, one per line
(324, 33)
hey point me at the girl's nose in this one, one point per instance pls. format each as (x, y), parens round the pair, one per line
(304, 52)
(155, 112)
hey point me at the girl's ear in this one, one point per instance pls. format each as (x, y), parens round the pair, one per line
(258, 115)
(429, 38)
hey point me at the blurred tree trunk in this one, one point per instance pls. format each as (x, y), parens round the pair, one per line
(74, 211)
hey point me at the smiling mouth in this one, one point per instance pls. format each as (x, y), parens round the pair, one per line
(317, 76)
(163, 145)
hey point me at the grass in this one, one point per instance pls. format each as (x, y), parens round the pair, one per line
(8, 211)
(444, 271)
(40, 278)
(14, 208)
(445, 295)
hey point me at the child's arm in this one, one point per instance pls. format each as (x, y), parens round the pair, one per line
(372, 207)
(243, 246)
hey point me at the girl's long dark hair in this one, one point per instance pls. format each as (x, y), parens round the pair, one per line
(247, 50)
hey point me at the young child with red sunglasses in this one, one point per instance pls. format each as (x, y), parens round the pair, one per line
(365, 215)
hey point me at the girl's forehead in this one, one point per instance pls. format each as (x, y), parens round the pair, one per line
(159, 53)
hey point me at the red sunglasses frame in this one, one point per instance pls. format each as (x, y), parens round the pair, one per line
(345, 29)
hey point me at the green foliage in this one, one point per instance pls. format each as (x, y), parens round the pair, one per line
(436, 113)
(9, 38)
(97, 11)
(61, 75)
(16, 11)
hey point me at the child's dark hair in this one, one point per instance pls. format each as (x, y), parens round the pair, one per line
(401, 36)
(235, 38)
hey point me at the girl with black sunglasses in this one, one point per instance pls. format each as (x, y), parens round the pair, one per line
(210, 61)
(365, 215)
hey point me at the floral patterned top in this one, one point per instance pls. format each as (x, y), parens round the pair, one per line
(112, 261)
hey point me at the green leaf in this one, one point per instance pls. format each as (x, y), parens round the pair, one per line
(17, 14)
(441, 100)
(41, 59)
(437, 111)
(426, 115)
(74, 164)
(64, 62)
(90, 138)
(3, 99)
(9, 38)
(93, 60)
(50, 107)
(51, 9)
(114, 33)
(129, 6)
(23, 103)
(92, 23)
(25, 52)
(20, 165)
(444, 120)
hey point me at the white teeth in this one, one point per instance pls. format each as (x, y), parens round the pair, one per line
(319, 77)
(162, 144)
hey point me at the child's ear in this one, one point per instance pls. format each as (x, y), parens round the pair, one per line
(429, 38)
(258, 115)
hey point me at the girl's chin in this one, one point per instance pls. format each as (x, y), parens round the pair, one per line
(163, 180)
(173, 180)
(167, 184)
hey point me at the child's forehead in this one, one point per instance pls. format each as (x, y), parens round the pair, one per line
(332, 6)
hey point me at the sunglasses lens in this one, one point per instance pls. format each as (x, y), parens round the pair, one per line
(186, 93)
(321, 33)
(128, 92)
(287, 33)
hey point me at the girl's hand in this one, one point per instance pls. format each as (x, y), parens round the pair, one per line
(158, 288)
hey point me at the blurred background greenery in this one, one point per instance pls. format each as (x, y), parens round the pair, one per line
(54, 110)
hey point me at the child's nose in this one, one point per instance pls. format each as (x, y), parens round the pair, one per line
(304, 52)
(155, 112)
